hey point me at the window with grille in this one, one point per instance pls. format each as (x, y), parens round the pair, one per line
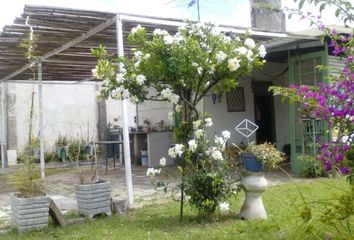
(236, 100)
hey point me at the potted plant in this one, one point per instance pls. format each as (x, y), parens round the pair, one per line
(260, 157)
(266, 156)
(29, 205)
(147, 125)
(257, 158)
(93, 195)
(62, 147)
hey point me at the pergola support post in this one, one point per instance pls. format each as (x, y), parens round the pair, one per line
(126, 141)
(3, 125)
(40, 118)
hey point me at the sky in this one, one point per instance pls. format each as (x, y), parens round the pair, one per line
(231, 12)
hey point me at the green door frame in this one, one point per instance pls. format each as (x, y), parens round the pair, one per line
(296, 166)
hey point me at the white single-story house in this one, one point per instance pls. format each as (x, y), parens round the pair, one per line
(65, 102)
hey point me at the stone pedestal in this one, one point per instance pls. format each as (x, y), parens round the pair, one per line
(255, 184)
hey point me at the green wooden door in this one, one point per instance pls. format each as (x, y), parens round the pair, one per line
(305, 131)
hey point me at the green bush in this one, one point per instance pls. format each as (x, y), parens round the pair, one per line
(51, 157)
(77, 150)
(312, 167)
(27, 178)
(206, 191)
(62, 141)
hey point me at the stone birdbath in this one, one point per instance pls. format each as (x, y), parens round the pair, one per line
(254, 182)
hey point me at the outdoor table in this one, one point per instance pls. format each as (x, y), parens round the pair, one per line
(106, 143)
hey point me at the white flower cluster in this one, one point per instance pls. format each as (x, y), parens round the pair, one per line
(136, 29)
(216, 154)
(220, 56)
(249, 42)
(120, 78)
(152, 172)
(167, 38)
(140, 56)
(192, 145)
(262, 51)
(178, 108)
(233, 64)
(208, 122)
(171, 115)
(140, 79)
(220, 142)
(176, 150)
(170, 96)
(94, 73)
(199, 133)
(196, 124)
(224, 206)
(200, 28)
(226, 134)
(160, 32)
(120, 93)
(214, 148)
(163, 162)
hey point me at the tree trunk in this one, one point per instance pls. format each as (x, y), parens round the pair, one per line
(187, 117)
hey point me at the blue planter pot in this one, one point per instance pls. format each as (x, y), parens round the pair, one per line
(62, 152)
(250, 163)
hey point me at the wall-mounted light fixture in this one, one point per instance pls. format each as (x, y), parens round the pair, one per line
(216, 96)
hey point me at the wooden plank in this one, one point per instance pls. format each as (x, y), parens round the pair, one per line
(56, 215)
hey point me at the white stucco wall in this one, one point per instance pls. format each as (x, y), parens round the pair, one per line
(114, 112)
(155, 112)
(224, 120)
(67, 110)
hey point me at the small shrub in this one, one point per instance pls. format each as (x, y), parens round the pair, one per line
(51, 157)
(312, 167)
(62, 141)
(77, 150)
(207, 190)
(27, 178)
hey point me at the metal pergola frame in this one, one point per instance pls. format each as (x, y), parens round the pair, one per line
(81, 68)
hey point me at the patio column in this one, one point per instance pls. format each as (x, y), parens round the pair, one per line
(3, 125)
(126, 141)
(40, 118)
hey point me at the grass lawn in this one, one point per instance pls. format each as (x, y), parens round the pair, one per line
(162, 221)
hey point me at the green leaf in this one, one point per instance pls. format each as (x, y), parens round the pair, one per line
(337, 12)
(323, 6)
(301, 3)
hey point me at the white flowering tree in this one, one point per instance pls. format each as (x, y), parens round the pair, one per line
(180, 68)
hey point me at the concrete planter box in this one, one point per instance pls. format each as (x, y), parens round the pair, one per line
(29, 213)
(93, 199)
